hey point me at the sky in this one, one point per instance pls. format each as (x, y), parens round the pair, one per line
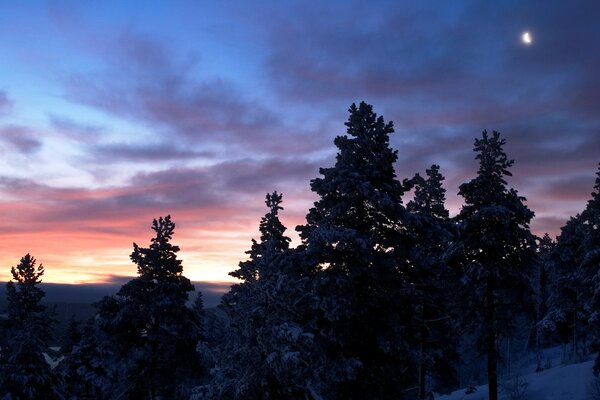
(114, 113)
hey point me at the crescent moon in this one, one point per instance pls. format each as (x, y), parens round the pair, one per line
(526, 38)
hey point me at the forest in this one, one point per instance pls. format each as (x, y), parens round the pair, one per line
(386, 297)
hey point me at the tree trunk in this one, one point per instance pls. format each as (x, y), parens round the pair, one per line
(422, 367)
(422, 374)
(574, 348)
(508, 358)
(491, 348)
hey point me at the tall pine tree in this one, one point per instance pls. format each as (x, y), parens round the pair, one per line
(432, 285)
(152, 332)
(540, 283)
(355, 244)
(494, 249)
(25, 374)
(568, 292)
(591, 264)
(264, 356)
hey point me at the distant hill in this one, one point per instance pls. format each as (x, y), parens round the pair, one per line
(92, 293)
(77, 301)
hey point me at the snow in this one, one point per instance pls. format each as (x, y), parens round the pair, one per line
(564, 382)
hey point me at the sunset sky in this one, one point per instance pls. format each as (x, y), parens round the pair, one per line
(114, 113)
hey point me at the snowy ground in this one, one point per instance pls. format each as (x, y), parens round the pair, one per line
(563, 382)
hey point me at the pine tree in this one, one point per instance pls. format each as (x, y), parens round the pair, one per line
(590, 261)
(71, 337)
(540, 283)
(152, 332)
(355, 245)
(568, 292)
(432, 285)
(495, 246)
(83, 370)
(263, 354)
(25, 374)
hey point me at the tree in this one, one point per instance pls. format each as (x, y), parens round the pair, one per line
(568, 290)
(355, 246)
(590, 248)
(83, 370)
(25, 372)
(151, 331)
(494, 248)
(540, 283)
(432, 284)
(71, 337)
(264, 355)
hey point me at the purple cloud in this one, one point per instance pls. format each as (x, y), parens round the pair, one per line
(75, 130)
(145, 152)
(5, 103)
(20, 139)
(146, 82)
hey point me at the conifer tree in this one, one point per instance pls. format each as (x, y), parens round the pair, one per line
(495, 246)
(152, 332)
(540, 284)
(83, 370)
(25, 374)
(432, 285)
(355, 245)
(568, 292)
(590, 249)
(264, 354)
(71, 337)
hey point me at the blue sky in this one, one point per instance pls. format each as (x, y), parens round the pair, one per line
(114, 113)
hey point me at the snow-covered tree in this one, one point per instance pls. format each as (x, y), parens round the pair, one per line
(494, 249)
(432, 285)
(24, 372)
(265, 353)
(590, 264)
(540, 285)
(83, 369)
(152, 333)
(71, 337)
(568, 291)
(355, 244)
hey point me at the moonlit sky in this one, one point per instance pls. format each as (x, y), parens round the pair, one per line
(114, 113)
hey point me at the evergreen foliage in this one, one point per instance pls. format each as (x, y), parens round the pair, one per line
(83, 371)
(541, 284)
(568, 294)
(151, 333)
(25, 374)
(432, 285)
(265, 353)
(355, 244)
(590, 260)
(494, 250)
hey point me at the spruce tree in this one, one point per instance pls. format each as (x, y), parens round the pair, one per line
(152, 333)
(432, 285)
(590, 249)
(540, 285)
(355, 247)
(25, 374)
(495, 247)
(264, 356)
(84, 370)
(568, 292)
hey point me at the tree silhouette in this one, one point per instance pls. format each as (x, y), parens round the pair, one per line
(356, 245)
(432, 285)
(25, 372)
(495, 248)
(265, 354)
(152, 332)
